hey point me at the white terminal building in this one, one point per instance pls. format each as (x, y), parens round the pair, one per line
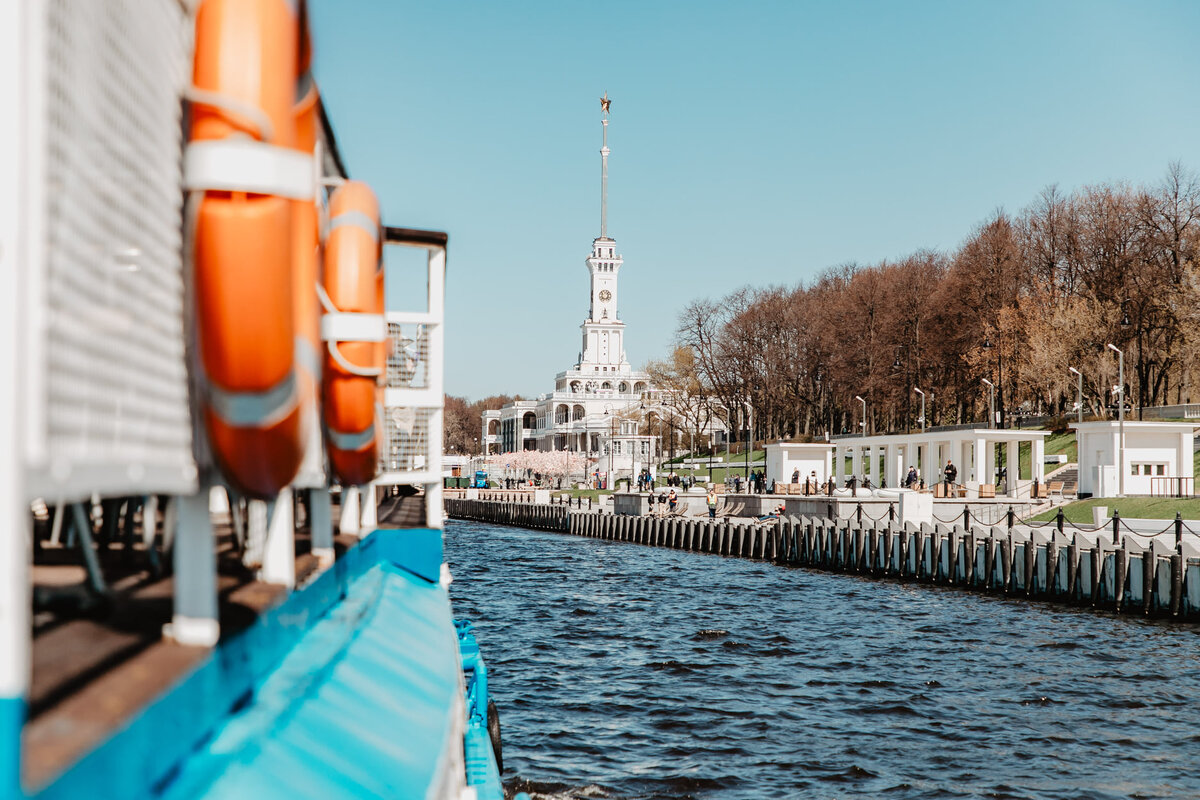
(597, 401)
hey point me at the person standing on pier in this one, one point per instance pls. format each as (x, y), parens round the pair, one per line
(711, 500)
(673, 499)
(951, 475)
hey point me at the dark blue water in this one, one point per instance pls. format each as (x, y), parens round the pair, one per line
(626, 671)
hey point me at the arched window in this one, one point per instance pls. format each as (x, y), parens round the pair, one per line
(606, 385)
(623, 388)
(577, 412)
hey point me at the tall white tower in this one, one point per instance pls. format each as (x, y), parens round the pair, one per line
(603, 333)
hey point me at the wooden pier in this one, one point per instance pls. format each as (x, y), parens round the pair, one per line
(1100, 569)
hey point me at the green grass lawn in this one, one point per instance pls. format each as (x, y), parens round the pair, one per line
(1139, 507)
(1055, 444)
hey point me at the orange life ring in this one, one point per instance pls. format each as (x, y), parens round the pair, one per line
(354, 331)
(245, 173)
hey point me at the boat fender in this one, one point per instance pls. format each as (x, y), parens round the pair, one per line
(493, 728)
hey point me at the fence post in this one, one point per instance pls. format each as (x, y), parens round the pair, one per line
(858, 514)
(891, 513)
(1176, 583)
(966, 518)
(1059, 518)
(1179, 533)
(1116, 531)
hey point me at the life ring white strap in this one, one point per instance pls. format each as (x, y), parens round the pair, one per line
(255, 409)
(345, 326)
(244, 165)
(352, 441)
(355, 219)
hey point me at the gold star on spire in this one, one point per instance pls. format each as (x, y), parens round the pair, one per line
(605, 102)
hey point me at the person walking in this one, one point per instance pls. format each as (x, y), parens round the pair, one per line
(950, 473)
(711, 500)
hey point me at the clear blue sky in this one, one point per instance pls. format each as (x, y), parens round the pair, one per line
(751, 142)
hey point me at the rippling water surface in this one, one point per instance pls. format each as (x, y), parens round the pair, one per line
(626, 671)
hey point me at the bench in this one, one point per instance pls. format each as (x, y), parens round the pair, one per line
(1055, 488)
(987, 490)
(734, 511)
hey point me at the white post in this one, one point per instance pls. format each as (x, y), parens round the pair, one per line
(370, 515)
(839, 465)
(1185, 467)
(350, 514)
(195, 619)
(256, 533)
(1037, 461)
(932, 466)
(856, 461)
(15, 601)
(320, 521)
(437, 303)
(979, 461)
(279, 553)
(1012, 463)
(889, 465)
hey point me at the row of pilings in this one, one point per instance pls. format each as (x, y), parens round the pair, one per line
(1036, 563)
(527, 515)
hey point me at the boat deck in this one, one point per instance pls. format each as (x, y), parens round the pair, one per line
(94, 668)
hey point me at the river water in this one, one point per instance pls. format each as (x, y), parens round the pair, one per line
(624, 671)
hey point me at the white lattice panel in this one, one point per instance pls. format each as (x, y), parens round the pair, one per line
(407, 449)
(108, 397)
(408, 355)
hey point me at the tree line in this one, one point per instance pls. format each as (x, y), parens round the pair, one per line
(1024, 297)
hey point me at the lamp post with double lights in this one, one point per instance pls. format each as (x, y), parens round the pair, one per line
(987, 345)
(1078, 393)
(1120, 416)
(922, 419)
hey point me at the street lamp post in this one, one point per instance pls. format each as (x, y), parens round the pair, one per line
(1078, 393)
(922, 419)
(1120, 416)
(708, 406)
(749, 437)
(863, 423)
(991, 402)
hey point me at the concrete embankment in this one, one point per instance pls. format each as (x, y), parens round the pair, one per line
(1071, 567)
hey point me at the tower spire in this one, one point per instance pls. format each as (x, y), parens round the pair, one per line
(605, 102)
